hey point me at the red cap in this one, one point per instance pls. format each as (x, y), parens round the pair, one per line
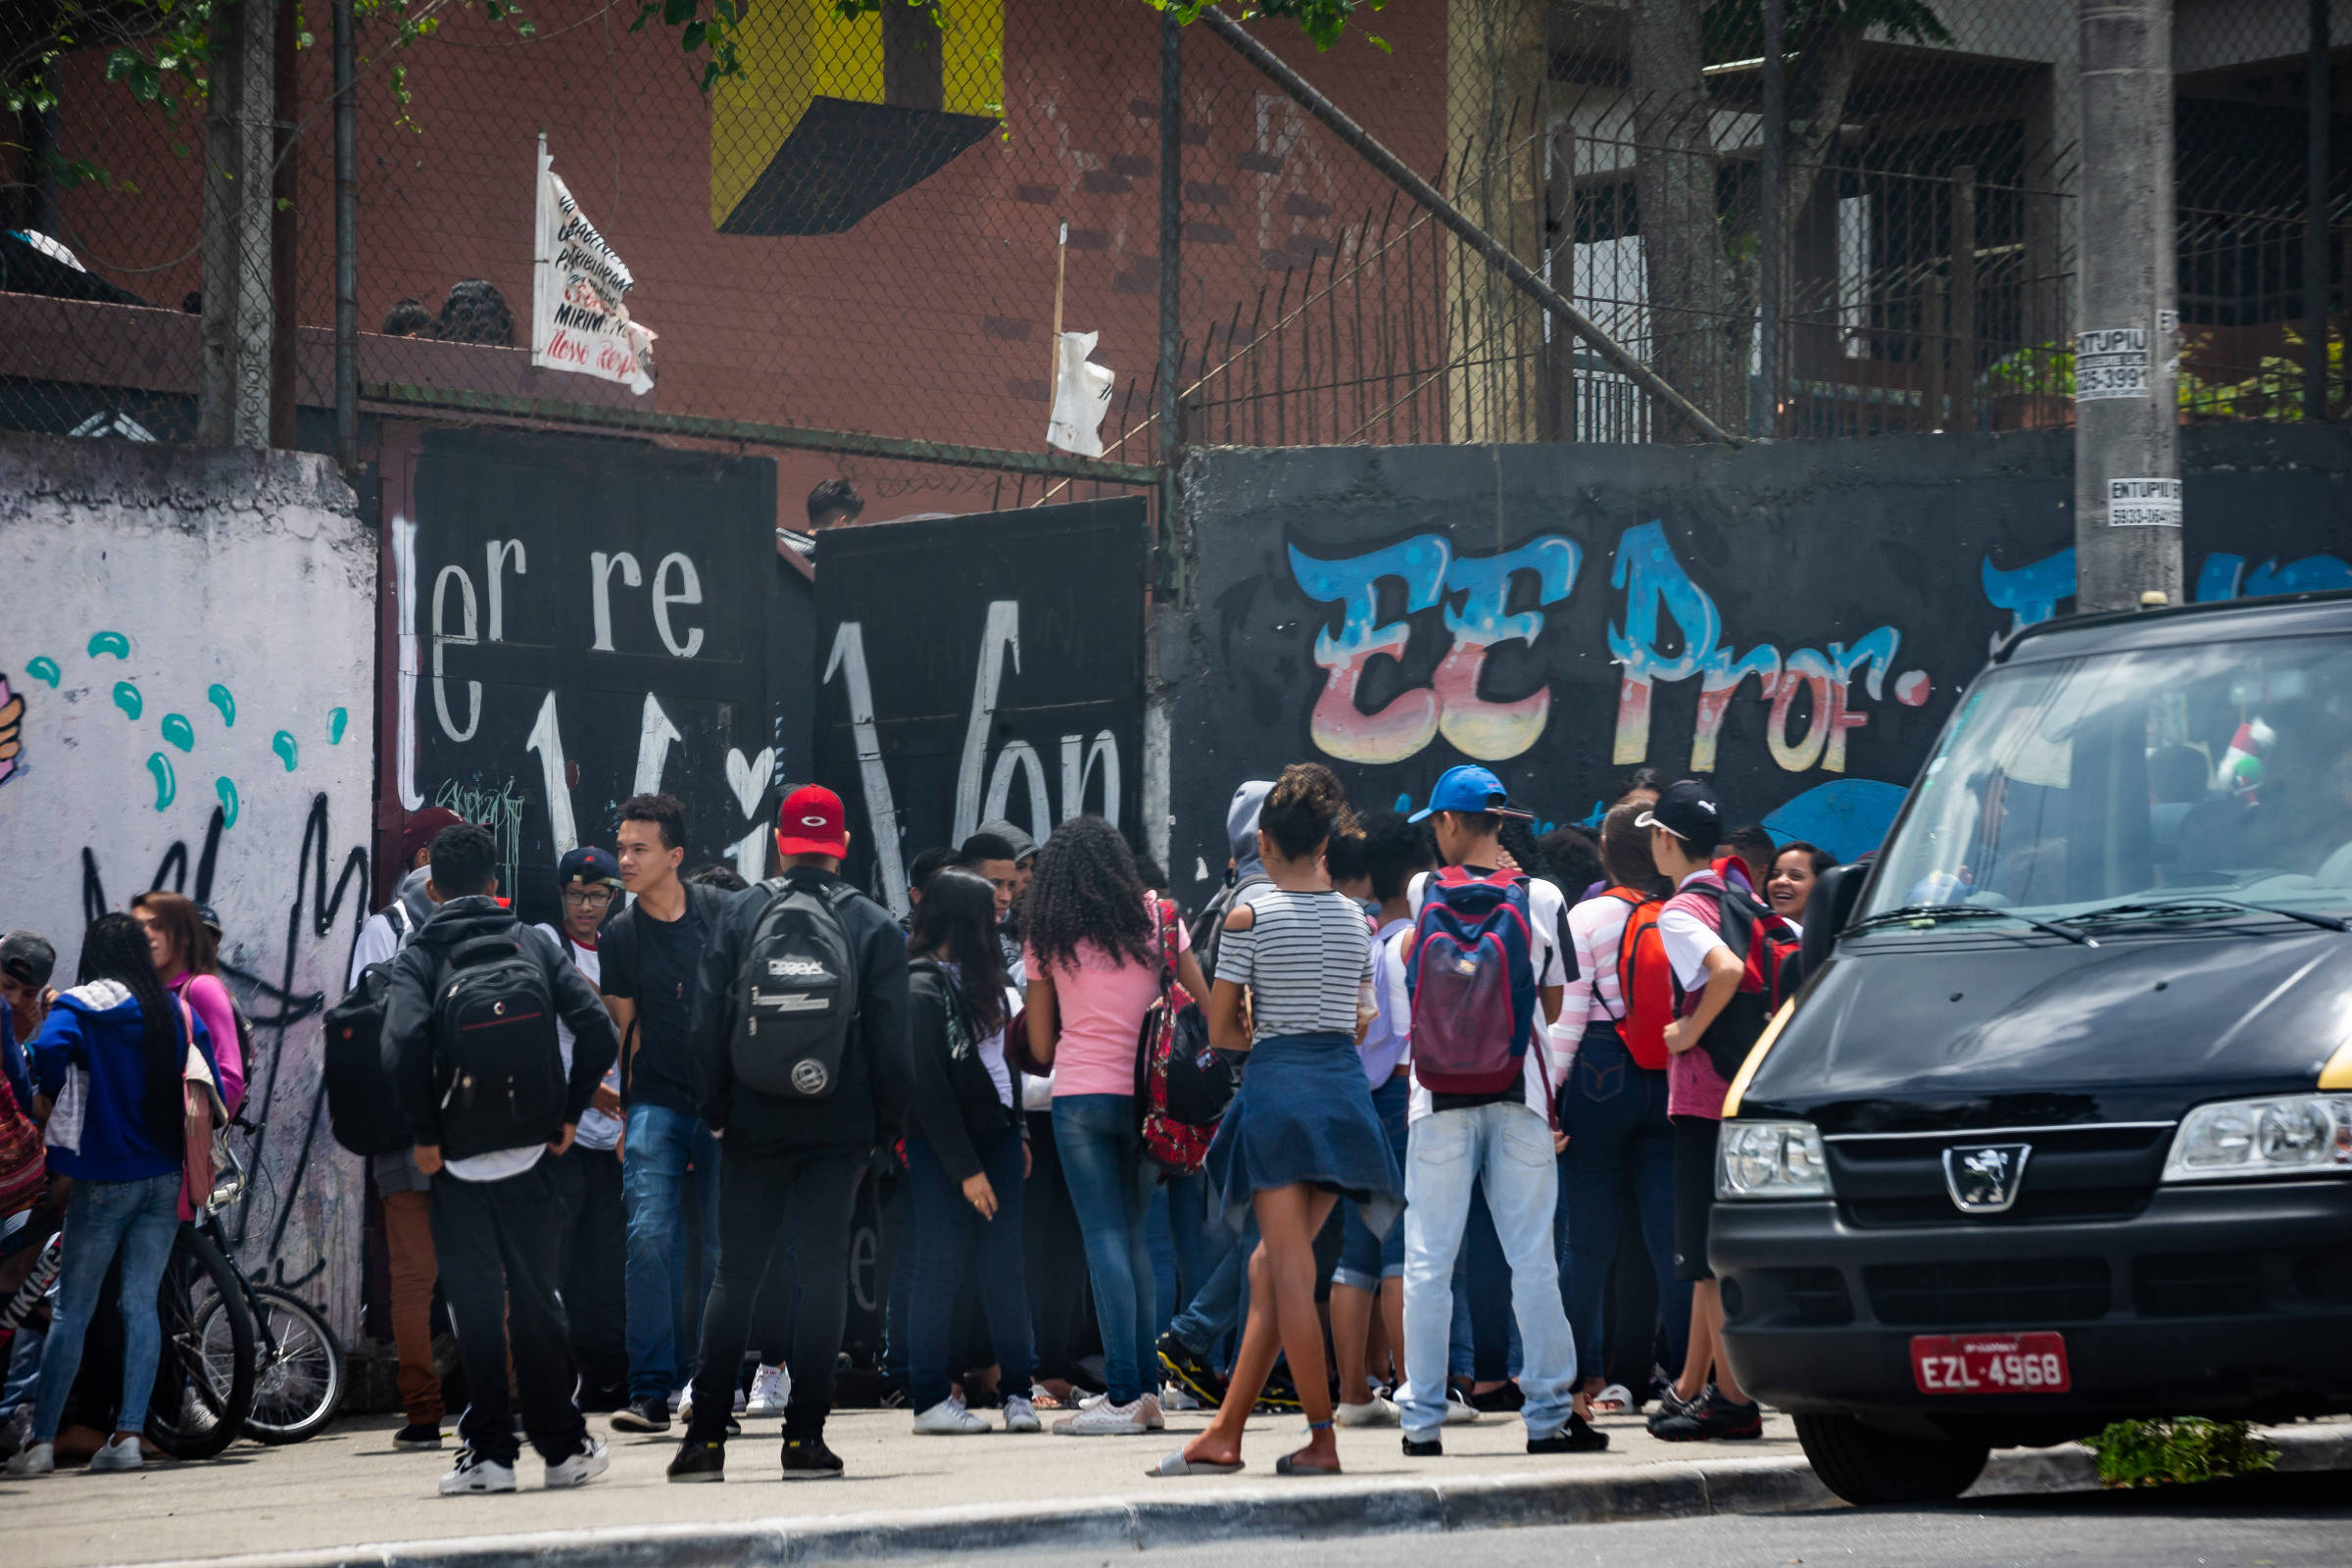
(810, 822)
(419, 831)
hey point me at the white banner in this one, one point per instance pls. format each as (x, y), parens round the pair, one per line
(579, 320)
(1081, 398)
(2148, 503)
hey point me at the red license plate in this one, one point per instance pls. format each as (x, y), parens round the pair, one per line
(1990, 1363)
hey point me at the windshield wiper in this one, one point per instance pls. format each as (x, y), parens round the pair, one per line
(1971, 911)
(2327, 922)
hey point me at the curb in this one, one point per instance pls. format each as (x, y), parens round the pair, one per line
(1616, 1495)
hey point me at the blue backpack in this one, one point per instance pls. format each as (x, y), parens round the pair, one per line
(1471, 975)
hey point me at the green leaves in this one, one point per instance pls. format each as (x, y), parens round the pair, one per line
(2163, 1453)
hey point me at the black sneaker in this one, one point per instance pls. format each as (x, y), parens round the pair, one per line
(699, 1461)
(1672, 1406)
(1576, 1437)
(1498, 1402)
(1431, 1448)
(1711, 1419)
(809, 1459)
(417, 1435)
(1188, 1371)
(1280, 1396)
(893, 1396)
(648, 1414)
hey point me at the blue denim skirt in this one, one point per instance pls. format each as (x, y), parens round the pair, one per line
(1305, 1114)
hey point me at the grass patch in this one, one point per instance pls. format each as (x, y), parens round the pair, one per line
(2171, 1454)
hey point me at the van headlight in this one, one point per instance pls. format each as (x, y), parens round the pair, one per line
(1771, 1159)
(2279, 1135)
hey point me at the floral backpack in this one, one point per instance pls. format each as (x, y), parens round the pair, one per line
(1179, 1147)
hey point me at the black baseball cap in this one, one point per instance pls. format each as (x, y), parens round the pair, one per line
(1690, 811)
(588, 864)
(26, 958)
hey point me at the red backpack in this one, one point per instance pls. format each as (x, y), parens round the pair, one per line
(1644, 980)
(1770, 953)
(1181, 1147)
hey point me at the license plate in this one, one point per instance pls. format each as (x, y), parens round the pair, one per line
(1990, 1363)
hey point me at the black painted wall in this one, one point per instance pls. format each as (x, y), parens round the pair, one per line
(1555, 611)
(979, 666)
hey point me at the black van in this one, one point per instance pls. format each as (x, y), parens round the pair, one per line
(2059, 1131)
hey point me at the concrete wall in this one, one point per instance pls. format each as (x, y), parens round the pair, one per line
(1796, 621)
(192, 634)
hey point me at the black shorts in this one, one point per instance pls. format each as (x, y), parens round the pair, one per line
(1693, 1193)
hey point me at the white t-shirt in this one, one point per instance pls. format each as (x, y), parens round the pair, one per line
(598, 1129)
(1547, 1067)
(992, 1055)
(379, 940)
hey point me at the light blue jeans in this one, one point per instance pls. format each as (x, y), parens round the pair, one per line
(664, 1309)
(1103, 1160)
(1507, 1149)
(140, 1220)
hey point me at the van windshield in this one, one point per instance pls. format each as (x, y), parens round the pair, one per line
(2213, 773)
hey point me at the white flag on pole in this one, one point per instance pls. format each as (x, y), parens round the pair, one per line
(579, 320)
(1081, 398)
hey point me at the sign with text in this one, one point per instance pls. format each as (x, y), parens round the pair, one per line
(2143, 503)
(2111, 362)
(579, 313)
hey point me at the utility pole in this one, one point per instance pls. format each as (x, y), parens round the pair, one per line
(232, 393)
(2128, 329)
(1171, 265)
(2315, 216)
(1764, 391)
(347, 248)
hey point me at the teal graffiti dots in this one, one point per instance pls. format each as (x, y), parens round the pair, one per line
(336, 718)
(127, 698)
(109, 642)
(227, 793)
(219, 696)
(45, 669)
(167, 784)
(284, 745)
(179, 732)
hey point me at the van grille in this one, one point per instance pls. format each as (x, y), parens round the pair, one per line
(2197, 1284)
(2019, 1292)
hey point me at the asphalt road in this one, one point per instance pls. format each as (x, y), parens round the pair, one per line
(2286, 1522)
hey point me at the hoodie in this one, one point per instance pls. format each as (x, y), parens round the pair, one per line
(381, 936)
(100, 1029)
(1248, 869)
(421, 1073)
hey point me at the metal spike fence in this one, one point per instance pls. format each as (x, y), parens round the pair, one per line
(851, 248)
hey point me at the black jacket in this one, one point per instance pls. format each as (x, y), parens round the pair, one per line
(954, 1097)
(420, 1078)
(869, 1104)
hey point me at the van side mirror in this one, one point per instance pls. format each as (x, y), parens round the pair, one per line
(1828, 911)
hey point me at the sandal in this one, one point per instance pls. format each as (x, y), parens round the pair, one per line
(1290, 1464)
(1176, 1464)
(1615, 1399)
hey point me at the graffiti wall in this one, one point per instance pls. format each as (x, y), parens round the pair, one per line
(1792, 620)
(187, 641)
(980, 667)
(571, 622)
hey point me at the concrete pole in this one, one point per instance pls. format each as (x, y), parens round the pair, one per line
(2314, 217)
(2127, 339)
(347, 247)
(233, 395)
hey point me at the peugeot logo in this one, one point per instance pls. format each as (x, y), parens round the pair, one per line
(1984, 1179)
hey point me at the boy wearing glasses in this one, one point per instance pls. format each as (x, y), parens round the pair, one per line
(589, 1258)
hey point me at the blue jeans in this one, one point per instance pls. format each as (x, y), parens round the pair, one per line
(663, 1308)
(1196, 1241)
(1103, 1160)
(952, 1240)
(140, 1220)
(1217, 1308)
(1366, 1260)
(1484, 1344)
(1614, 1114)
(1506, 1148)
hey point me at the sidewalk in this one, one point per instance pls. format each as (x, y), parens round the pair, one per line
(344, 1496)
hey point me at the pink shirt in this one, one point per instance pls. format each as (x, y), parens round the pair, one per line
(1101, 1005)
(208, 999)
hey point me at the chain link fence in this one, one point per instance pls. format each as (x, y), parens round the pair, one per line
(860, 234)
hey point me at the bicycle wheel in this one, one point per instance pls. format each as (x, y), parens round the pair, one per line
(200, 1397)
(298, 1376)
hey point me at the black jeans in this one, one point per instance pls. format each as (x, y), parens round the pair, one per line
(590, 1257)
(769, 1201)
(1060, 1294)
(497, 1244)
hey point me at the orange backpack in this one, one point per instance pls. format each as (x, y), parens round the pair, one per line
(1644, 980)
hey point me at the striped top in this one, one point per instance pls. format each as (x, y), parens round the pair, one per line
(1306, 959)
(1595, 928)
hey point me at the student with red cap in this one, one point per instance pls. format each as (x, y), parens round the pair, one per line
(800, 1027)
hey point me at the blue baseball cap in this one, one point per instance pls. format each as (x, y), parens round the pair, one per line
(590, 864)
(1469, 788)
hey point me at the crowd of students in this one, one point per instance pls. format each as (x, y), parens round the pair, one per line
(1421, 1110)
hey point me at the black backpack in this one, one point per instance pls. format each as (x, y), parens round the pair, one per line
(494, 1041)
(795, 994)
(362, 1109)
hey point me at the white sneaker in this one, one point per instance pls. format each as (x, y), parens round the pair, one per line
(947, 1419)
(771, 1391)
(1106, 1420)
(1373, 1412)
(1153, 1419)
(119, 1453)
(683, 1405)
(581, 1468)
(1020, 1415)
(472, 1476)
(1176, 1397)
(33, 1459)
(1460, 1412)
(16, 1430)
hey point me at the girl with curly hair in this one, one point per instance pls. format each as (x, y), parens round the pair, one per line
(1302, 1132)
(1091, 953)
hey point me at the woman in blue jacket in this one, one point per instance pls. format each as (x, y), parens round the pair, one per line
(122, 1036)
